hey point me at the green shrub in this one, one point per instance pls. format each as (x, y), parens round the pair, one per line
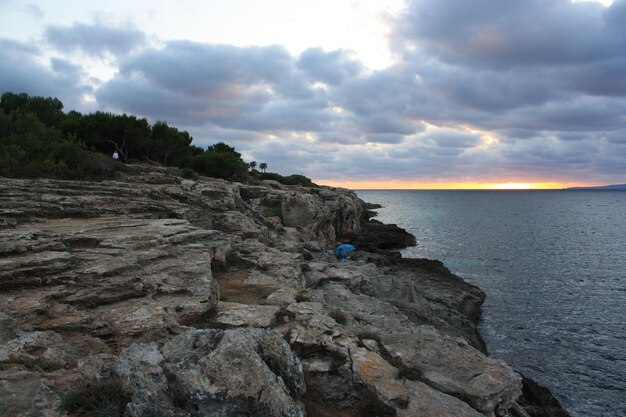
(219, 163)
(28, 148)
(288, 180)
(276, 211)
(106, 399)
(202, 324)
(32, 363)
(187, 173)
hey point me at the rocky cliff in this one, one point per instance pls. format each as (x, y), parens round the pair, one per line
(153, 295)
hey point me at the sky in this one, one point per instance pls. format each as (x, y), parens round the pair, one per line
(359, 94)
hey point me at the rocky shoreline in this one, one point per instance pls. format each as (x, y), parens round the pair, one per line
(153, 295)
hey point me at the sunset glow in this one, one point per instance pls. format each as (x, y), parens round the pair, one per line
(407, 185)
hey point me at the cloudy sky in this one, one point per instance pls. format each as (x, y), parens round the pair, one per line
(364, 94)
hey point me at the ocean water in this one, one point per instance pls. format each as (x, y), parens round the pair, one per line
(553, 266)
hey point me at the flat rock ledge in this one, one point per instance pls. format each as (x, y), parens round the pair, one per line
(158, 296)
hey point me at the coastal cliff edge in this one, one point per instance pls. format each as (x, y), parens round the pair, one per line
(155, 295)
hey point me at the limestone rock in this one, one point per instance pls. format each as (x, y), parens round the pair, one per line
(244, 315)
(25, 394)
(455, 368)
(164, 266)
(410, 398)
(300, 210)
(105, 278)
(309, 212)
(139, 369)
(282, 297)
(239, 372)
(8, 328)
(46, 345)
(425, 401)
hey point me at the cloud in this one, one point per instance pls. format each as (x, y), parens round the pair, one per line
(495, 33)
(208, 70)
(254, 88)
(95, 39)
(533, 89)
(21, 71)
(328, 67)
(447, 138)
(34, 10)
(262, 89)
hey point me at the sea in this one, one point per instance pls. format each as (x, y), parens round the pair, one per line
(553, 266)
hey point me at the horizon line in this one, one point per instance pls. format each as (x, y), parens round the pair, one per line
(408, 185)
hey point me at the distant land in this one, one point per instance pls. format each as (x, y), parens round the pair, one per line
(601, 187)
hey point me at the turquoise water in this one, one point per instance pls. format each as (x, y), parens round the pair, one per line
(553, 265)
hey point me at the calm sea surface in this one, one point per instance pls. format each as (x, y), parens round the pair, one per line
(553, 265)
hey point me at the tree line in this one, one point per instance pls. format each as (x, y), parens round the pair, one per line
(37, 138)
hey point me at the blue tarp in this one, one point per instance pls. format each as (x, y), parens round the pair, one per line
(344, 247)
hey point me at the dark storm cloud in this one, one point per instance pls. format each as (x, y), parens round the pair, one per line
(20, 71)
(94, 39)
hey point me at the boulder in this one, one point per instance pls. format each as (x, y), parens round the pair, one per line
(409, 398)
(299, 211)
(452, 366)
(378, 236)
(238, 372)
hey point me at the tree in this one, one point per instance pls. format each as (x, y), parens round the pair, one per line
(48, 110)
(168, 143)
(30, 148)
(252, 165)
(107, 132)
(263, 166)
(220, 161)
(223, 148)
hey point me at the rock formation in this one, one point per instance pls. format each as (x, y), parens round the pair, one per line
(159, 296)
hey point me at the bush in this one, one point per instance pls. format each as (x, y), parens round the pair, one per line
(31, 363)
(187, 173)
(106, 399)
(28, 148)
(275, 211)
(289, 180)
(219, 163)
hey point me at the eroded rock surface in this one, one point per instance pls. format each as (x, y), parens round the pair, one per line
(104, 283)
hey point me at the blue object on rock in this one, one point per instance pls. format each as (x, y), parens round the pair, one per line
(344, 247)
